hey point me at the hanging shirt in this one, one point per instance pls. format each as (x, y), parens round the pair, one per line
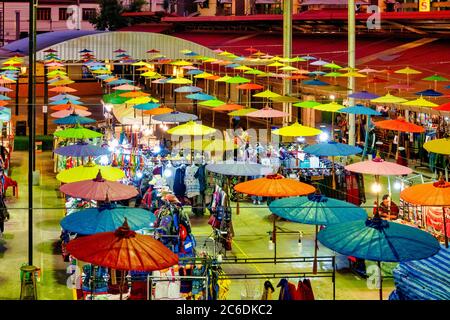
(179, 188)
(169, 174)
(191, 182)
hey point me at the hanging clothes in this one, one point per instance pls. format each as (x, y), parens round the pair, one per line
(304, 290)
(179, 188)
(268, 291)
(192, 184)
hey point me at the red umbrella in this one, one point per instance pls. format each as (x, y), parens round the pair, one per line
(443, 107)
(251, 50)
(400, 125)
(123, 250)
(99, 189)
(153, 51)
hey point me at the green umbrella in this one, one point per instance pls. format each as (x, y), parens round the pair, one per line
(307, 104)
(78, 132)
(237, 80)
(435, 78)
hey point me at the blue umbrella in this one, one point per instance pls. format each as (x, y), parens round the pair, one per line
(315, 82)
(363, 95)
(3, 97)
(200, 96)
(146, 106)
(359, 109)
(65, 101)
(447, 87)
(188, 89)
(332, 148)
(429, 93)
(317, 73)
(119, 82)
(239, 59)
(318, 210)
(308, 58)
(82, 150)
(191, 54)
(107, 219)
(232, 65)
(104, 76)
(74, 119)
(85, 51)
(379, 240)
(64, 96)
(175, 117)
(194, 72)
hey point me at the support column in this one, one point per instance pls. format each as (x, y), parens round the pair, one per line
(287, 52)
(351, 63)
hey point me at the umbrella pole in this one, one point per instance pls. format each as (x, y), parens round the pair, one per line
(274, 239)
(213, 116)
(122, 282)
(315, 251)
(333, 173)
(366, 138)
(381, 280)
(398, 145)
(445, 227)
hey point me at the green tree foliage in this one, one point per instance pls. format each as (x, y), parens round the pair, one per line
(110, 14)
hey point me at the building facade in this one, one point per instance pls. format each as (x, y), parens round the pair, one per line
(51, 15)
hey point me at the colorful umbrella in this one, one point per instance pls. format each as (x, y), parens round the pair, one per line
(399, 124)
(297, 130)
(307, 104)
(67, 106)
(274, 186)
(106, 218)
(408, 71)
(123, 250)
(89, 171)
(318, 210)
(363, 95)
(99, 189)
(443, 107)
(159, 110)
(267, 112)
(429, 93)
(379, 240)
(240, 169)
(81, 149)
(77, 132)
(430, 194)
(378, 167)
(420, 102)
(388, 98)
(175, 117)
(439, 146)
(332, 149)
(200, 96)
(315, 82)
(435, 78)
(191, 128)
(62, 89)
(188, 89)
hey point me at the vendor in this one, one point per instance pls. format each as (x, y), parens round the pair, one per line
(387, 209)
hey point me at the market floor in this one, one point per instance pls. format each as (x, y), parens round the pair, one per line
(251, 227)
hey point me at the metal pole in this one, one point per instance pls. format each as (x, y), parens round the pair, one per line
(45, 100)
(31, 126)
(287, 52)
(351, 63)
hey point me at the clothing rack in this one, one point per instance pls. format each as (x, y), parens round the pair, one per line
(175, 278)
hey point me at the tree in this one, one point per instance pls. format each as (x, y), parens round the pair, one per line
(110, 16)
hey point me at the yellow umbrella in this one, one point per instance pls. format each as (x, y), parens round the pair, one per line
(420, 102)
(209, 60)
(139, 64)
(141, 100)
(289, 68)
(388, 98)
(225, 53)
(62, 82)
(407, 71)
(266, 94)
(330, 107)
(223, 79)
(181, 63)
(353, 74)
(297, 130)
(440, 146)
(243, 68)
(203, 75)
(102, 71)
(276, 64)
(151, 74)
(133, 94)
(89, 171)
(191, 128)
(180, 81)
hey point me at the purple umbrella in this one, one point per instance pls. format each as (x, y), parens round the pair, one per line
(82, 149)
(363, 95)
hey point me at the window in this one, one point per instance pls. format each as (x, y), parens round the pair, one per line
(89, 13)
(44, 14)
(63, 14)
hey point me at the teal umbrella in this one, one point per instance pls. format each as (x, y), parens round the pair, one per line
(379, 240)
(359, 109)
(107, 218)
(318, 210)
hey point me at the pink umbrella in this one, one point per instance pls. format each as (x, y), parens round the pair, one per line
(68, 112)
(400, 86)
(126, 87)
(267, 113)
(378, 167)
(99, 189)
(119, 51)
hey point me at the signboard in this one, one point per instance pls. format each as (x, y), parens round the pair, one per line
(424, 5)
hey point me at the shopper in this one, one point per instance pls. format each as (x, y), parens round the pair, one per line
(387, 209)
(4, 216)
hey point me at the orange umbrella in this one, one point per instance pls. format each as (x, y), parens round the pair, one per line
(3, 103)
(123, 250)
(229, 107)
(111, 79)
(400, 125)
(249, 86)
(430, 194)
(66, 106)
(274, 186)
(134, 94)
(62, 89)
(157, 111)
(277, 186)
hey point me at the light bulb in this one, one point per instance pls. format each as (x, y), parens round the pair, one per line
(301, 139)
(139, 174)
(397, 185)
(108, 107)
(323, 137)
(376, 187)
(271, 245)
(156, 149)
(332, 97)
(167, 173)
(104, 160)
